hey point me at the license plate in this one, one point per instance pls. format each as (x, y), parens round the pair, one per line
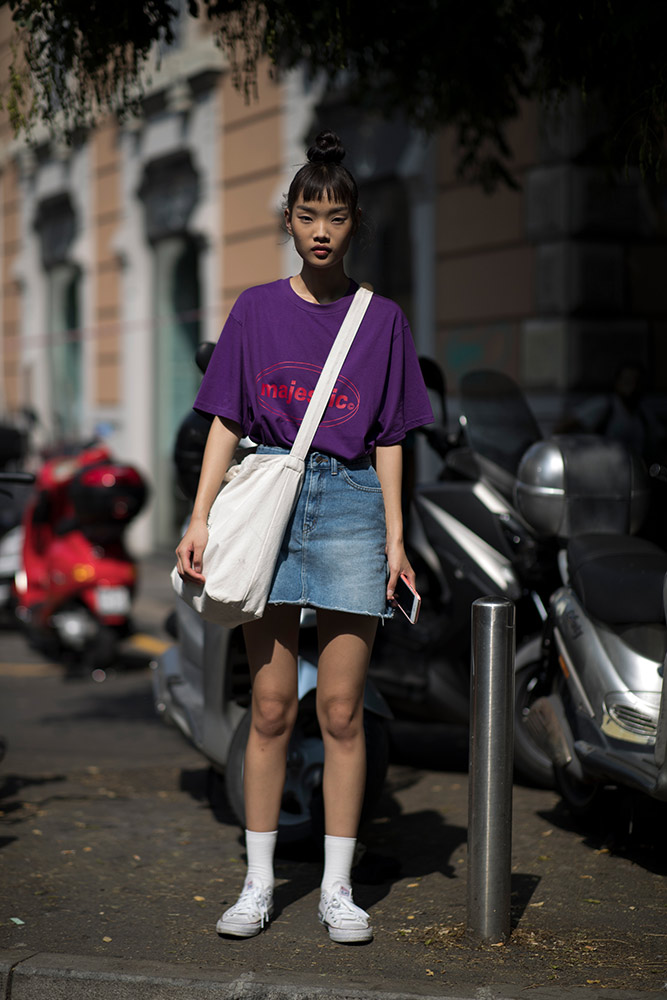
(113, 600)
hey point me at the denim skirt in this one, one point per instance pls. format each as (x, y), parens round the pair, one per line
(333, 553)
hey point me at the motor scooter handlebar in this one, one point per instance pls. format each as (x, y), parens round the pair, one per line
(17, 478)
(438, 439)
(14, 479)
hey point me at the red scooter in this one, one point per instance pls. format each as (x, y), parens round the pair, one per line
(75, 588)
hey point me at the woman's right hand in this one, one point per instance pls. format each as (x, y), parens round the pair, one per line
(221, 443)
(190, 552)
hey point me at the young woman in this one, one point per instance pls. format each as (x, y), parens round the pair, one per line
(343, 550)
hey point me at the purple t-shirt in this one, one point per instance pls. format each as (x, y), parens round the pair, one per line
(271, 352)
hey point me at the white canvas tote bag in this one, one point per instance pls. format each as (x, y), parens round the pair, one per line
(249, 516)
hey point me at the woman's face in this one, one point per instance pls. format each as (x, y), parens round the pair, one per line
(321, 230)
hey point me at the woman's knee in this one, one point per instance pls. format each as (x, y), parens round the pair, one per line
(341, 719)
(273, 715)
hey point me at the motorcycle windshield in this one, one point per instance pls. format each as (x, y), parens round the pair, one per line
(499, 423)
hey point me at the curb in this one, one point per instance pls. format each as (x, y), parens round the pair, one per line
(79, 977)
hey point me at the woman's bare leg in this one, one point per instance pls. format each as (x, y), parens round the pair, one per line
(345, 644)
(272, 647)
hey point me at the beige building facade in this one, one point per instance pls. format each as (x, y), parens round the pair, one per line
(120, 253)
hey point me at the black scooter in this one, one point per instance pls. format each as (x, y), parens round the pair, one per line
(467, 539)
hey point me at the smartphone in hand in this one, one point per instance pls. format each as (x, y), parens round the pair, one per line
(407, 599)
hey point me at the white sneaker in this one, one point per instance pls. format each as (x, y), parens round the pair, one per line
(250, 913)
(346, 922)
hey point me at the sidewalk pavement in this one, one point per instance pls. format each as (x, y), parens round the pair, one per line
(75, 977)
(119, 853)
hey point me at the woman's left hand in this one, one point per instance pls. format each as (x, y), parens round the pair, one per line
(398, 563)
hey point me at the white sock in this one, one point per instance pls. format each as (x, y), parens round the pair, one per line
(338, 857)
(260, 848)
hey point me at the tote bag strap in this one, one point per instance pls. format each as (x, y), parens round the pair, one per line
(330, 372)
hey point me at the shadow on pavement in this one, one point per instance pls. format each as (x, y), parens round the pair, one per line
(205, 784)
(397, 844)
(624, 824)
(13, 783)
(107, 705)
(11, 803)
(523, 887)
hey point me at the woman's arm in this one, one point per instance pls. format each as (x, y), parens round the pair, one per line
(389, 467)
(221, 443)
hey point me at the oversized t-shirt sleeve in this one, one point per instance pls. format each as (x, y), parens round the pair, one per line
(405, 403)
(221, 392)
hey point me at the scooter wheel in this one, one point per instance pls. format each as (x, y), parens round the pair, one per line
(583, 799)
(302, 807)
(530, 761)
(101, 652)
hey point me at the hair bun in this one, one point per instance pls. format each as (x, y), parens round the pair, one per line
(327, 148)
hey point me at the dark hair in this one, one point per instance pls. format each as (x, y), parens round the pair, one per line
(324, 175)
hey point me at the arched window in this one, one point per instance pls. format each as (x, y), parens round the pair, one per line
(56, 226)
(170, 191)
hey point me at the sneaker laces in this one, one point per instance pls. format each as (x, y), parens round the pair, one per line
(344, 908)
(253, 899)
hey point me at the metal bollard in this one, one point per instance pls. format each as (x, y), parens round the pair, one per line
(490, 769)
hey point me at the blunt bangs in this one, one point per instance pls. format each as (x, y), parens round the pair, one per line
(319, 181)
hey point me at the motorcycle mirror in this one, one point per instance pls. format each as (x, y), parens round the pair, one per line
(203, 355)
(500, 425)
(434, 379)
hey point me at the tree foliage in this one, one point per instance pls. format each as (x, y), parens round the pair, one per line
(436, 62)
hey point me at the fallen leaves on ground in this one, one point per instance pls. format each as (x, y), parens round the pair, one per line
(572, 953)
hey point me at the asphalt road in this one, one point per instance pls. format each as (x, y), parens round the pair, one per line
(110, 846)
